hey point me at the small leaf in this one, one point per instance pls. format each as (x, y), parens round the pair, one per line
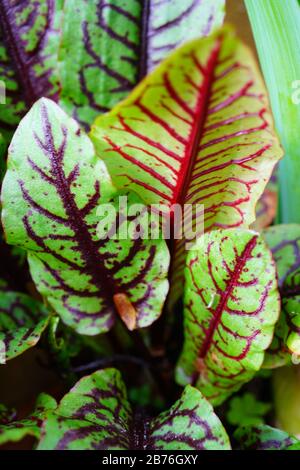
(121, 42)
(284, 242)
(246, 410)
(15, 431)
(196, 131)
(96, 415)
(22, 321)
(51, 196)
(225, 339)
(264, 437)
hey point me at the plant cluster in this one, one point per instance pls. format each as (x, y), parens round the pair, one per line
(157, 102)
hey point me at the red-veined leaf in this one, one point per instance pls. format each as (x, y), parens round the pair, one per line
(29, 40)
(16, 430)
(231, 307)
(96, 415)
(284, 242)
(117, 43)
(196, 131)
(51, 194)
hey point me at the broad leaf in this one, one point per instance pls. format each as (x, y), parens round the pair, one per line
(117, 43)
(231, 307)
(284, 241)
(264, 437)
(51, 193)
(29, 39)
(197, 131)
(22, 321)
(89, 55)
(96, 415)
(14, 431)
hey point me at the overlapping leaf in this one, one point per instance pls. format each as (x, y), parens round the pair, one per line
(29, 39)
(51, 194)
(22, 321)
(117, 43)
(96, 415)
(265, 437)
(266, 208)
(231, 307)
(89, 55)
(197, 131)
(284, 241)
(14, 431)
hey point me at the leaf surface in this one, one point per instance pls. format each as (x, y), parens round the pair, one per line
(14, 431)
(117, 43)
(231, 305)
(96, 415)
(246, 410)
(197, 131)
(22, 321)
(267, 204)
(264, 437)
(29, 40)
(284, 242)
(51, 194)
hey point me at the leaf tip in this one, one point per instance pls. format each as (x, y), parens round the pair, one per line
(125, 310)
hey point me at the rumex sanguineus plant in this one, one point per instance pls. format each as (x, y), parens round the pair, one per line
(154, 103)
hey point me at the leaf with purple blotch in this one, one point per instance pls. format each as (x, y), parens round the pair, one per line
(231, 305)
(116, 43)
(29, 40)
(51, 195)
(96, 415)
(284, 242)
(16, 430)
(22, 321)
(263, 437)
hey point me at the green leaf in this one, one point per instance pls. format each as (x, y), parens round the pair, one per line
(15, 431)
(231, 307)
(246, 410)
(284, 242)
(264, 437)
(51, 195)
(96, 415)
(195, 131)
(266, 208)
(88, 56)
(117, 43)
(22, 321)
(276, 26)
(29, 40)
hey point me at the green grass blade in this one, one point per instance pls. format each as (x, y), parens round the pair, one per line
(276, 26)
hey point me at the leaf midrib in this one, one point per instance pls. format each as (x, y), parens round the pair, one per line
(21, 68)
(201, 109)
(144, 41)
(240, 264)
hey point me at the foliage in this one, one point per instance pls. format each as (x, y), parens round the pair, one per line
(246, 410)
(100, 110)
